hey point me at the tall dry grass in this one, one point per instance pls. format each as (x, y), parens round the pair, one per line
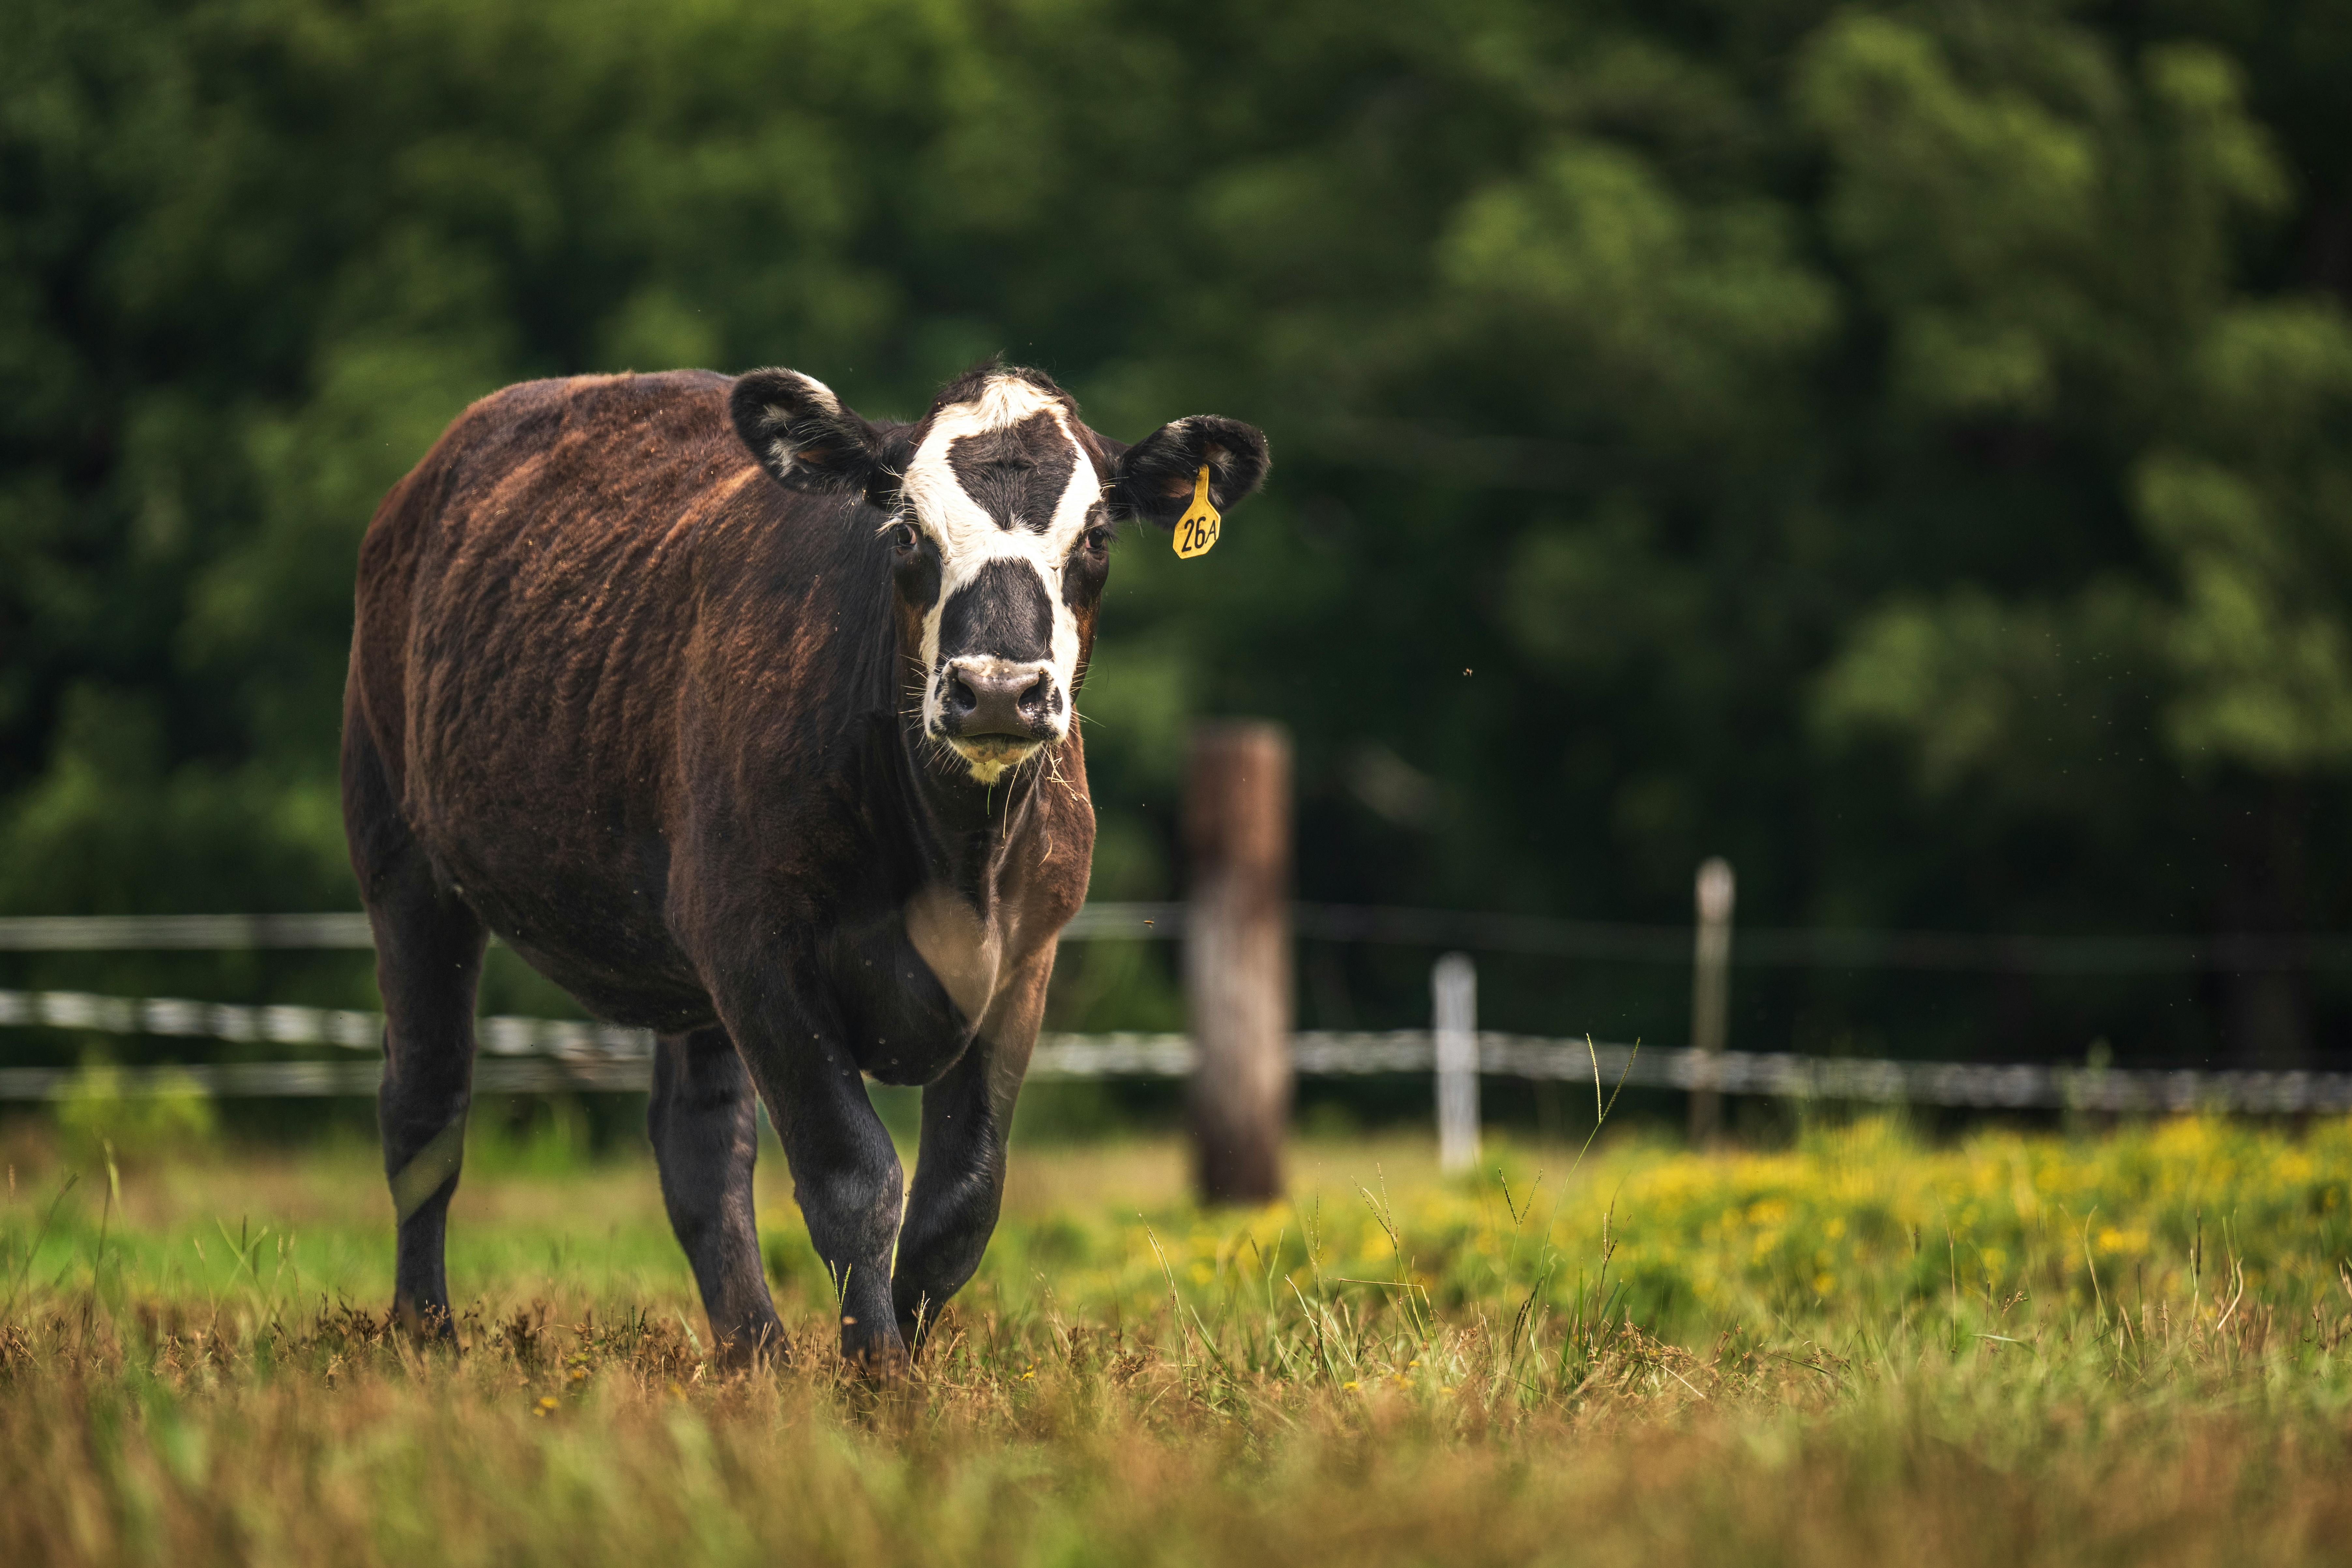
(1394, 1368)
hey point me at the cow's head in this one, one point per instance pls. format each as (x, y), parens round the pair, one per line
(998, 508)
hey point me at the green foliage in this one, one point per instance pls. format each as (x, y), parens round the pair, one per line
(1880, 443)
(1615, 293)
(104, 1123)
(2253, 508)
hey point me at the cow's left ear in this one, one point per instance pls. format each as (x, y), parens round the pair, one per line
(1153, 479)
(801, 433)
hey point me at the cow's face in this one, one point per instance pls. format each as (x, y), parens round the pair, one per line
(998, 508)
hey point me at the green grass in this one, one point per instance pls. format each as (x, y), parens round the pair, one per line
(2129, 1347)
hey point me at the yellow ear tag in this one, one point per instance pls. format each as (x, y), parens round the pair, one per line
(1196, 530)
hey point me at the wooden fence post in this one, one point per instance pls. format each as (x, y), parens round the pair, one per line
(1710, 992)
(1237, 962)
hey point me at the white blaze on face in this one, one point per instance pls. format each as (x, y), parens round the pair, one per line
(1024, 446)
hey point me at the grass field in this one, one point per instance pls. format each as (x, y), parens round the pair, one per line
(2126, 1347)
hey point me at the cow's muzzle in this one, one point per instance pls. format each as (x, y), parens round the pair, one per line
(999, 700)
(996, 713)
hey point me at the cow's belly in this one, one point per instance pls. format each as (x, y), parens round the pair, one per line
(665, 1001)
(603, 941)
(909, 984)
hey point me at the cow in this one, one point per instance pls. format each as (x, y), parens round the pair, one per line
(750, 723)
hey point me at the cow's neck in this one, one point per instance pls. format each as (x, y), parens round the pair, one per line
(967, 836)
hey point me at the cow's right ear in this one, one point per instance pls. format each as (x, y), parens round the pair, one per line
(801, 433)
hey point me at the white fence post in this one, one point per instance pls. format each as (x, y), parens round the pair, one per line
(1453, 1003)
(1710, 992)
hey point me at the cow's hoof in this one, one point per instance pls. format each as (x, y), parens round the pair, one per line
(919, 1327)
(879, 1363)
(429, 1324)
(761, 1349)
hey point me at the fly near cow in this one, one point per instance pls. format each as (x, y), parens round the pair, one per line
(751, 722)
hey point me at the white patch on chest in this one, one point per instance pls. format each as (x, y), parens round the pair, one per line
(962, 952)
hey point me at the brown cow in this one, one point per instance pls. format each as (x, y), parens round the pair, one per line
(748, 722)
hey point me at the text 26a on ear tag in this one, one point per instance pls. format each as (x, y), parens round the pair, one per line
(1196, 530)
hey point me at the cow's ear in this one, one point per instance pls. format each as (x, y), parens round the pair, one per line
(1153, 479)
(801, 433)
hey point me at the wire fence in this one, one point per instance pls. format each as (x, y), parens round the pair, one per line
(545, 1054)
(1760, 946)
(1765, 946)
(553, 1055)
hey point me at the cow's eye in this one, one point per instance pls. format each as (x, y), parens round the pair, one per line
(902, 538)
(1098, 540)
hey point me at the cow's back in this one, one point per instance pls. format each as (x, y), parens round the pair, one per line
(525, 638)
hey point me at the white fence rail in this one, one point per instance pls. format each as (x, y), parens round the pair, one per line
(142, 933)
(546, 1054)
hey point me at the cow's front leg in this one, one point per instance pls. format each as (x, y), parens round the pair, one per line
(959, 1171)
(846, 1174)
(959, 1186)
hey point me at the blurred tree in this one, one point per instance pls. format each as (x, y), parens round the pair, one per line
(1900, 448)
(2057, 238)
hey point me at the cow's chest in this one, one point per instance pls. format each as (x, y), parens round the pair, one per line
(914, 988)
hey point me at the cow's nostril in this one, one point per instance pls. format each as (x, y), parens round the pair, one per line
(960, 697)
(1032, 702)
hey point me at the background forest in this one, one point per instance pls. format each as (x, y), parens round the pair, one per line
(1904, 449)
